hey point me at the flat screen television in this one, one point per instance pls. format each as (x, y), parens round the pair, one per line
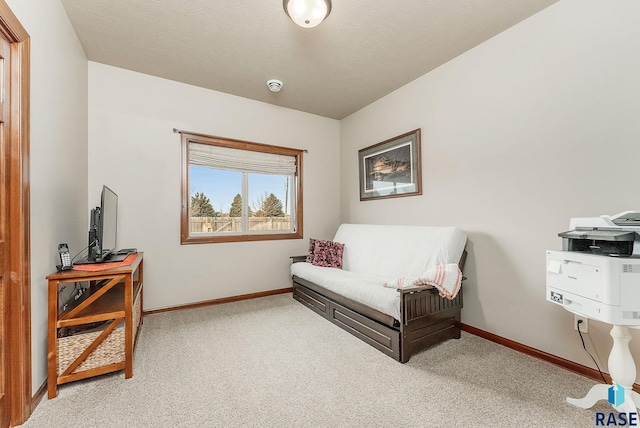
(103, 231)
(108, 226)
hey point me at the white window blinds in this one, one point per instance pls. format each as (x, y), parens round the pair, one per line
(240, 160)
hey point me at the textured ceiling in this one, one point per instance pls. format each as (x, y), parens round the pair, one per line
(360, 53)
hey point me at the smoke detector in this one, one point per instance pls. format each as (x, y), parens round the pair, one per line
(274, 85)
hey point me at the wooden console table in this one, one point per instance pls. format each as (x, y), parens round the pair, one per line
(112, 305)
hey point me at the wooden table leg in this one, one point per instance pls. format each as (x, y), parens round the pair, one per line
(128, 327)
(52, 341)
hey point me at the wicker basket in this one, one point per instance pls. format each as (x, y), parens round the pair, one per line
(110, 351)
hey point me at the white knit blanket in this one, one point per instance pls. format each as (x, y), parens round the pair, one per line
(365, 289)
(446, 278)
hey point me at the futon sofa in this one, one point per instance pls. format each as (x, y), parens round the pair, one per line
(384, 284)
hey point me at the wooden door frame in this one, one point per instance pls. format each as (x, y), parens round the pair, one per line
(18, 274)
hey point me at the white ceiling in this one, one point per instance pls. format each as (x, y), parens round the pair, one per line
(360, 53)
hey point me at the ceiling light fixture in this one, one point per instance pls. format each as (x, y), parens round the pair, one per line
(307, 13)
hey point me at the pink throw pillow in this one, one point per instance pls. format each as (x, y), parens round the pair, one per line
(327, 253)
(312, 245)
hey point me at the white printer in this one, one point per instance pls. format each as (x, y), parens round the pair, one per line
(597, 273)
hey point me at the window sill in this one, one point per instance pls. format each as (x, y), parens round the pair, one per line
(239, 238)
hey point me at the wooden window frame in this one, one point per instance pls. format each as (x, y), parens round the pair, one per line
(185, 237)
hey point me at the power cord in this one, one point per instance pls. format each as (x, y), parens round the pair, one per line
(82, 251)
(585, 348)
(60, 290)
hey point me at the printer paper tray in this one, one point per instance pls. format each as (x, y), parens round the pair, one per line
(599, 235)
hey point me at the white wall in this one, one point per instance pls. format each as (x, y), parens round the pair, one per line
(58, 160)
(133, 150)
(531, 128)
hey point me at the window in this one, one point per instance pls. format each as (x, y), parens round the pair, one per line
(239, 191)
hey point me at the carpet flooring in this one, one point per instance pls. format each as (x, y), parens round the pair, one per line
(271, 362)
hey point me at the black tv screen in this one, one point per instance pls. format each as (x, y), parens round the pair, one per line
(108, 225)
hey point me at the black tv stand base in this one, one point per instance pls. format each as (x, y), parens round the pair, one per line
(125, 251)
(113, 257)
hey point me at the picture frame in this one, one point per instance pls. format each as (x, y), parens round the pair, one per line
(392, 168)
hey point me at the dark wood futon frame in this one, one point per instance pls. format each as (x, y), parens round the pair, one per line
(427, 318)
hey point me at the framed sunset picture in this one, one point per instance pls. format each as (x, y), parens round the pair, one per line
(391, 168)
